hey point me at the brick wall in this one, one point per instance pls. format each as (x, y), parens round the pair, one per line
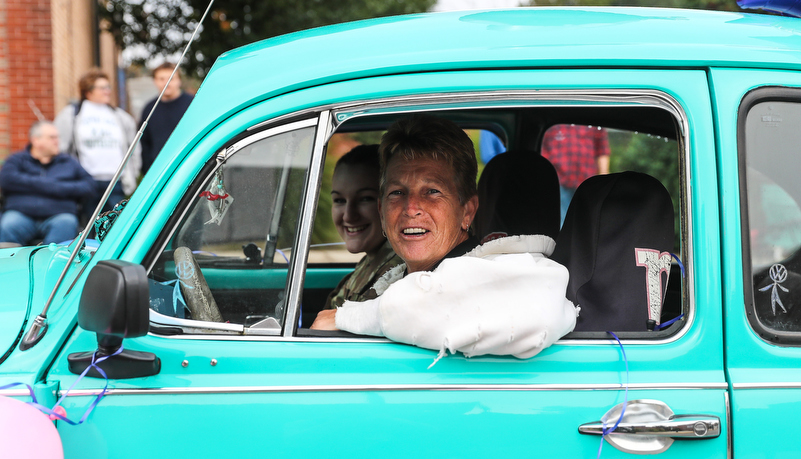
(26, 69)
(5, 138)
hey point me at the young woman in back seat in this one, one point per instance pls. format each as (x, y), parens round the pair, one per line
(355, 215)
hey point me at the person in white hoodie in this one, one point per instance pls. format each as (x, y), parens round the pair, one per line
(98, 135)
(503, 298)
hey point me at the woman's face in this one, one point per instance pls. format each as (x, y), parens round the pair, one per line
(355, 207)
(100, 92)
(421, 212)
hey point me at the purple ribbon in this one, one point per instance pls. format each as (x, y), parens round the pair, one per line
(51, 411)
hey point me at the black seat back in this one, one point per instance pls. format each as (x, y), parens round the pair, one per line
(518, 193)
(618, 231)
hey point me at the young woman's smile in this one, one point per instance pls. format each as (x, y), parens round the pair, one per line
(355, 207)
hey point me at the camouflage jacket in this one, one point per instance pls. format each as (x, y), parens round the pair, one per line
(357, 286)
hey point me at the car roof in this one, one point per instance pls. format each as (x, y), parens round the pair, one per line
(538, 37)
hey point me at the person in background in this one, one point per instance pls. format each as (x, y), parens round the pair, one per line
(355, 213)
(489, 145)
(169, 111)
(577, 153)
(99, 135)
(42, 188)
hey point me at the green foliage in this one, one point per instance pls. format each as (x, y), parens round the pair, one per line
(324, 230)
(163, 27)
(655, 156)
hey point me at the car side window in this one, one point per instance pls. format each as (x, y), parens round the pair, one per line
(649, 271)
(227, 260)
(772, 139)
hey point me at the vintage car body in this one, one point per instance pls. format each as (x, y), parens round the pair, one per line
(254, 387)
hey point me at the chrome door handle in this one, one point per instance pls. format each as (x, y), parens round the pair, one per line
(649, 427)
(690, 426)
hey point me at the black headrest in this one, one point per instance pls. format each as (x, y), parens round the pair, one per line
(616, 225)
(518, 193)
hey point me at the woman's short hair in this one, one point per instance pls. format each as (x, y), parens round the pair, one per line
(431, 137)
(88, 79)
(362, 155)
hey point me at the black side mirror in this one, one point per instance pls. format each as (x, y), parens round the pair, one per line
(115, 304)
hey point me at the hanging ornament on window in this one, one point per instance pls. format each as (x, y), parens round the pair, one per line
(778, 274)
(218, 199)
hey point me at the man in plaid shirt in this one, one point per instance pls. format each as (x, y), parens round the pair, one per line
(577, 153)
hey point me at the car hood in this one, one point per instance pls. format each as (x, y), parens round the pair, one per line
(27, 274)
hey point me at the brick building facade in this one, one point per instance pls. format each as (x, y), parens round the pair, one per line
(45, 46)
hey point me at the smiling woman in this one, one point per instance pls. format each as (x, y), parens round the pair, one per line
(437, 298)
(354, 210)
(428, 190)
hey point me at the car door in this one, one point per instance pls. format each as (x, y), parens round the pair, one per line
(759, 114)
(260, 384)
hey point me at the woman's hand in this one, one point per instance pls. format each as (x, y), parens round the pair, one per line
(325, 320)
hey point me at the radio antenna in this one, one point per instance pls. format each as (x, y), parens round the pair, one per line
(39, 326)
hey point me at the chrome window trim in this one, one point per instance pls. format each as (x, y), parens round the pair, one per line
(194, 325)
(251, 139)
(519, 98)
(767, 385)
(341, 112)
(297, 272)
(385, 388)
(729, 429)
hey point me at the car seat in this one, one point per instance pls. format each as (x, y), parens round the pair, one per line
(518, 193)
(616, 242)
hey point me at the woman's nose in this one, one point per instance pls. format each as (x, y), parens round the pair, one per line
(412, 206)
(351, 212)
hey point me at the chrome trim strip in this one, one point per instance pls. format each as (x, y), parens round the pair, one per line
(276, 338)
(767, 385)
(269, 133)
(395, 388)
(300, 256)
(195, 325)
(729, 430)
(500, 99)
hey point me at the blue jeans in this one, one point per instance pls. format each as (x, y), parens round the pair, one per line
(565, 196)
(18, 227)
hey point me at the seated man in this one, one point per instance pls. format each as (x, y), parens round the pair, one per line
(42, 189)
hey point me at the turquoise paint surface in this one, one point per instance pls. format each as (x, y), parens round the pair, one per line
(749, 358)
(248, 362)
(489, 423)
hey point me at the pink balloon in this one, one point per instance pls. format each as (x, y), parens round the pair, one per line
(26, 432)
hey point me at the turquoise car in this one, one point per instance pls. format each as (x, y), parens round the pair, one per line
(708, 103)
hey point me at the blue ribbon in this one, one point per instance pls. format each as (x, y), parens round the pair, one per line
(50, 411)
(681, 265)
(605, 431)
(668, 323)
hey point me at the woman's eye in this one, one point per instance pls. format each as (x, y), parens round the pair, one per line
(367, 199)
(395, 193)
(339, 201)
(433, 191)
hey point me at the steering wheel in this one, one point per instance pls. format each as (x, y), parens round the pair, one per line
(194, 288)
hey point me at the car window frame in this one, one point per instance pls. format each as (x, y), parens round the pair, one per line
(748, 102)
(175, 327)
(331, 116)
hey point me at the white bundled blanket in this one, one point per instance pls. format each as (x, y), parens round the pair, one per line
(503, 298)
